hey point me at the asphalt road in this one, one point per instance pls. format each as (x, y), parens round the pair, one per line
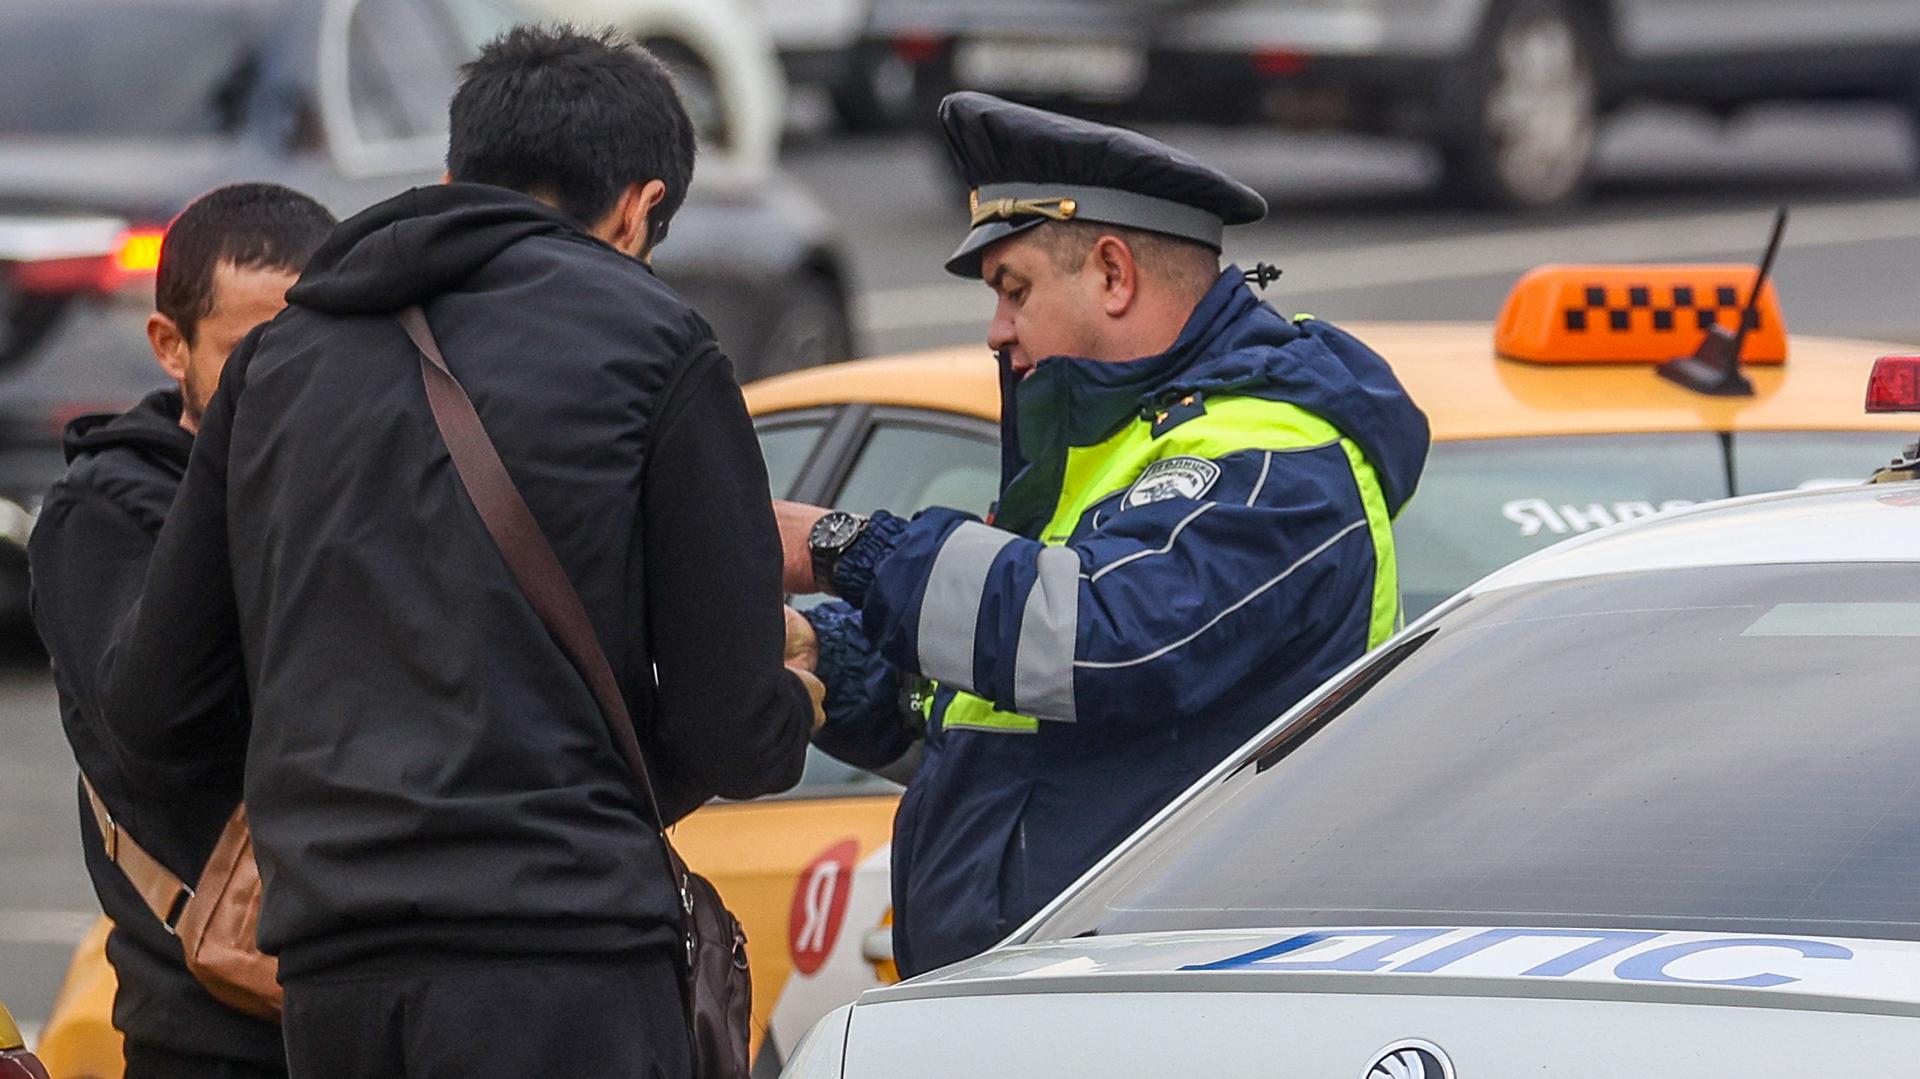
(1360, 236)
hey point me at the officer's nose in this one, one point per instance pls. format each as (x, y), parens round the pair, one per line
(1000, 333)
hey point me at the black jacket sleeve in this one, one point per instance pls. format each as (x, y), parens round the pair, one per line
(177, 687)
(730, 718)
(89, 562)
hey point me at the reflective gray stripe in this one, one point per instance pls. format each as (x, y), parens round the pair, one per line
(950, 610)
(1241, 602)
(1172, 538)
(1266, 466)
(1043, 667)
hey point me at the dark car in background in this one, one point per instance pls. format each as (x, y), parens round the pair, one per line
(114, 114)
(1510, 92)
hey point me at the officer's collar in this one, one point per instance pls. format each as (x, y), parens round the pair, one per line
(1070, 401)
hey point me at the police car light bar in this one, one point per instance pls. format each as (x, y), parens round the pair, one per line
(1894, 385)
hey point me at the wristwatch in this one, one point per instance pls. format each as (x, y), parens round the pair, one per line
(832, 536)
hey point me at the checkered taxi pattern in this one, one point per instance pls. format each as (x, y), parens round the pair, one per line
(1635, 314)
(1666, 309)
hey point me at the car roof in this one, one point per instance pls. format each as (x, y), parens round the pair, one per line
(1868, 523)
(1452, 373)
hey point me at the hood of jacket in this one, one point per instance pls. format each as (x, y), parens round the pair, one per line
(419, 244)
(150, 429)
(1232, 344)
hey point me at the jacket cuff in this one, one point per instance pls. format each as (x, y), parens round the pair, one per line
(854, 575)
(843, 648)
(863, 726)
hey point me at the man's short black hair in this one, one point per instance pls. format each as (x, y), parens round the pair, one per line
(574, 117)
(252, 226)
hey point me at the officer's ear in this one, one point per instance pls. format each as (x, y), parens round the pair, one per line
(169, 345)
(1119, 275)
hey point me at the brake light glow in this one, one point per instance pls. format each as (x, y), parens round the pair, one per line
(1280, 63)
(133, 260)
(918, 48)
(1894, 385)
(138, 251)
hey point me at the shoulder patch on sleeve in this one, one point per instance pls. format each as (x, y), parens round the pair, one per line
(1174, 477)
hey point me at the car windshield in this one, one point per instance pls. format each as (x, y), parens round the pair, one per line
(123, 69)
(1483, 504)
(1727, 749)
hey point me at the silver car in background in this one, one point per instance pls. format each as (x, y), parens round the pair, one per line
(1510, 92)
(114, 114)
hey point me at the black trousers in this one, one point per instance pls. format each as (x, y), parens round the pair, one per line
(156, 1062)
(469, 1018)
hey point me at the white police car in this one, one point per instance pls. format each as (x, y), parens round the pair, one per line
(1646, 803)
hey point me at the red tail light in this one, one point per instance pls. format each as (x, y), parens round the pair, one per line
(1894, 385)
(918, 48)
(1279, 63)
(138, 251)
(133, 260)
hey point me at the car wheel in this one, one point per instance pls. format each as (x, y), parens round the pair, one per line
(699, 89)
(1524, 115)
(811, 329)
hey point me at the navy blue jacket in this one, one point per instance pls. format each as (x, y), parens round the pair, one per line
(1186, 544)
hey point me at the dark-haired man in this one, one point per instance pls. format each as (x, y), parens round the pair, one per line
(460, 879)
(225, 267)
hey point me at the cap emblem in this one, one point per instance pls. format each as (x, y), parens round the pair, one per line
(1006, 209)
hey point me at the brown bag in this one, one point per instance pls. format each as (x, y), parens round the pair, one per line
(217, 920)
(715, 984)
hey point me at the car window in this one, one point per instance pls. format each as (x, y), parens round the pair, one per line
(904, 467)
(1785, 461)
(786, 443)
(1482, 504)
(402, 67)
(120, 69)
(1724, 749)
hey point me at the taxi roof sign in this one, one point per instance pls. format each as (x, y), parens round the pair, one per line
(1636, 314)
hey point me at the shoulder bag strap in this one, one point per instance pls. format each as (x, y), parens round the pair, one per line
(526, 550)
(164, 894)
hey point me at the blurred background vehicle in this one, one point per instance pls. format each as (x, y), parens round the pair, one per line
(1511, 93)
(825, 44)
(723, 64)
(115, 113)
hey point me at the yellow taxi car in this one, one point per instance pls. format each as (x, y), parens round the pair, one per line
(1580, 433)
(16, 1060)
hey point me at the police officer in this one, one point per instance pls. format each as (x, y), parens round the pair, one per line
(1193, 530)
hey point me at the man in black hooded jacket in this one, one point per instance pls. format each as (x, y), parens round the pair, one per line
(460, 879)
(225, 267)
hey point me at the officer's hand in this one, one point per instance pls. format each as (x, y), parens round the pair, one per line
(796, 521)
(803, 645)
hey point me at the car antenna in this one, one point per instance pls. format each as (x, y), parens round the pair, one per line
(1714, 367)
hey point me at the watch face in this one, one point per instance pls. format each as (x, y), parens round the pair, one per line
(836, 530)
